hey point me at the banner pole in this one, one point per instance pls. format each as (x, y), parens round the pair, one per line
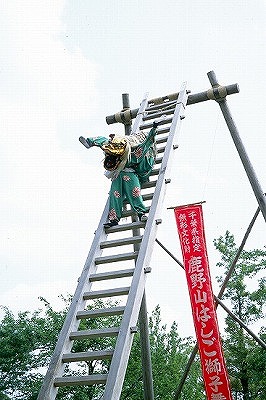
(218, 302)
(230, 271)
(191, 232)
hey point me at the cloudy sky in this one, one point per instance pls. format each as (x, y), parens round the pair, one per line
(64, 66)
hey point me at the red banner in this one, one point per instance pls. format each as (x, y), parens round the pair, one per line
(189, 220)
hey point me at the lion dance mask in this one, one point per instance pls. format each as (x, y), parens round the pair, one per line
(117, 151)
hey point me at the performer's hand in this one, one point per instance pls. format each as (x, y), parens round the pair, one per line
(86, 142)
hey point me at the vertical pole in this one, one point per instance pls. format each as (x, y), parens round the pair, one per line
(145, 342)
(145, 351)
(126, 106)
(240, 147)
(143, 319)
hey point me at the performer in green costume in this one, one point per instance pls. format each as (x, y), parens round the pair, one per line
(128, 163)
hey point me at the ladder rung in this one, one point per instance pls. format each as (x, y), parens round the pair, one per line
(148, 184)
(160, 112)
(80, 380)
(160, 105)
(147, 196)
(87, 356)
(100, 312)
(155, 171)
(166, 129)
(162, 140)
(116, 258)
(150, 124)
(158, 160)
(121, 242)
(125, 227)
(161, 150)
(130, 212)
(98, 294)
(94, 333)
(111, 275)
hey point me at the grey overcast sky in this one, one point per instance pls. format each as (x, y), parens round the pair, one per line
(64, 66)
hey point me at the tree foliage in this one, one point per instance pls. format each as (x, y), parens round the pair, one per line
(246, 360)
(169, 354)
(27, 342)
(26, 345)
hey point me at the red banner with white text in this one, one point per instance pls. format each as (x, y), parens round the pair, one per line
(189, 220)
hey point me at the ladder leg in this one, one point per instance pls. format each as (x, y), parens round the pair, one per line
(145, 341)
(145, 351)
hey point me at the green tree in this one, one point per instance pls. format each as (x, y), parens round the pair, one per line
(26, 346)
(246, 360)
(28, 340)
(169, 354)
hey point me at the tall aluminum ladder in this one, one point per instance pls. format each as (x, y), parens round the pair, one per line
(105, 270)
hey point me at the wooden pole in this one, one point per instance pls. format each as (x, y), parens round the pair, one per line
(126, 107)
(124, 115)
(239, 145)
(145, 351)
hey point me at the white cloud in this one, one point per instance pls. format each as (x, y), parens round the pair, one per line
(22, 295)
(44, 181)
(46, 82)
(52, 189)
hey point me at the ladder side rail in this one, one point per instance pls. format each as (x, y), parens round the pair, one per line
(150, 113)
(125, 337)
(143, 319)
(64, 344)
(139, 116)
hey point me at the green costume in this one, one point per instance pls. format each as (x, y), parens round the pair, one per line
(136, 168)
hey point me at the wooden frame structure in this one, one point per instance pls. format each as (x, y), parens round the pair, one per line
(173, 107)
(217, 93)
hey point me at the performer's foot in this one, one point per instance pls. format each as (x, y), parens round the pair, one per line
(142, 217)
(113, 222)
(84, 141)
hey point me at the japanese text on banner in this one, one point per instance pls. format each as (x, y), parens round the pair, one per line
(189, 220)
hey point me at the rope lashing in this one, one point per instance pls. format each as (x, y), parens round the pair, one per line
(173, 96)
(150, 112)
(159, 100)
(124, 117)
(217, 93)
(162, 108)
(156, 101)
